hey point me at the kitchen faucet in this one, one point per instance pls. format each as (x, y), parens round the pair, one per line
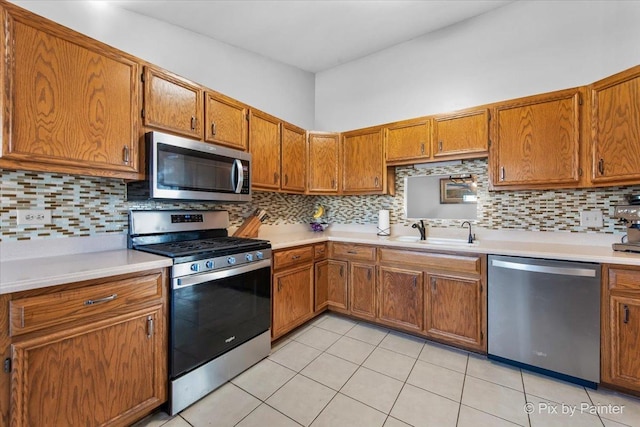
(421, 229)
(471, 236)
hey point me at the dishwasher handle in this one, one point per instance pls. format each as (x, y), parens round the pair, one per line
(563, 271)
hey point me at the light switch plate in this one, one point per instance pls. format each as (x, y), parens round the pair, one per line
(33, 217)
(591, 218)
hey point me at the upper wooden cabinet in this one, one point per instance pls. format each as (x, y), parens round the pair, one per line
(363, 167)
(408, 141)
(172, 103)
(615, 128)
(294, 155)
(323, 167)
(536, 141)
(71, 104)
(264, 145)
(461, 135)
(225, 121)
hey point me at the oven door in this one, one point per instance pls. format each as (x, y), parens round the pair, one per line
(211, 313)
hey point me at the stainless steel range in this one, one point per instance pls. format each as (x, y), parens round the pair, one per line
(220, 298)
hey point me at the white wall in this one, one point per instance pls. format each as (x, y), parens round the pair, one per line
(284, 91)
(521, 49)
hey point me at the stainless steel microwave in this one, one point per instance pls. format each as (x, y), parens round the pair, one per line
(184, 169)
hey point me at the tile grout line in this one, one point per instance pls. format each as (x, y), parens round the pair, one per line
(464, 380)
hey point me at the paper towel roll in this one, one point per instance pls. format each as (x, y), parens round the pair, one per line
(383, 223)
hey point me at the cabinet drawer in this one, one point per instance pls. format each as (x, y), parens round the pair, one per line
(293, 256)
(427, 260)
(39, 312)
(320, 251)
(356, 252)
(624, 279)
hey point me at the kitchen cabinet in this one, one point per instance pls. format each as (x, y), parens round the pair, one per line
(113, 351)
(225, 121)
(408, 142)
(172, 103)
(620, 360)
(615, 128)
(294, 155)
(321, 289)
(362, 290)
(293, 289)
(337, 287)
(536, 141)
(264, 145)
(323, 163)
(71, 104)
(362, 158)
(400, 298)
(453, 309)
(461, 135)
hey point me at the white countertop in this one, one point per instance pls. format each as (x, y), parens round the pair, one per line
(29, 265)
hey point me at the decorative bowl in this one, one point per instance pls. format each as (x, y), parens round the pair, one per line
(318, 226)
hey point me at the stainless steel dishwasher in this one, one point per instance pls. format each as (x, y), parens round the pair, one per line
(544, 315)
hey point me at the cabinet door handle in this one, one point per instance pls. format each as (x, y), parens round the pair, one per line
(352, 252)
(279, 285)
(422, 148)
(149, 326)
(601, 166)
(275, 177)
(333, 183)
(125, 154)
(368, 274)
(626, 314)
(433, 284)
(193, 122)
(101, 300)
(286, 179)
(341, 271)
(439, 145)
(213, 128)
(376, 181)
(502, 173)
(295, 257)
(415, 282)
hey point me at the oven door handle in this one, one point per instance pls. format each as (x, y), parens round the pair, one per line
(239, 175)
(196, 279)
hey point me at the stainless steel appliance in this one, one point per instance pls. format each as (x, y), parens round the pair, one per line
(185, 169)
(544, 315)
(220, 299)
(630, 216)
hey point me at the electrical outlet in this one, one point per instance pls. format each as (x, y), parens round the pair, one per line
(33, 217)
(592, 218)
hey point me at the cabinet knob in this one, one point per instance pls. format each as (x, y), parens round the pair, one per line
(295, 257)
(213, 128)
(626, 314)
(502, 173)
(125, 154)
(601, 166)
(376, 181)
(439, 145)
(193, 122)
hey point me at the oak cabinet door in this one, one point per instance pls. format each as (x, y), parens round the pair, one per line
(615, 122)
(294, 154)
(292, 298)
(408, 141)
(337, 289)
(96, 374)
(363, 168)
(172, 103)
(461, 134)
(454, 310)
(264, 145)
(225, 121)
(323, 164)
(400, 298)
(321, 285)
(537, 141)
(70, 102)
(362, 290)
(624, 343)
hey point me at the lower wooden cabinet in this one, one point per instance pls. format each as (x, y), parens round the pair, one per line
(453, 310)
(97, 374)
(362, 290)
(292, 298)
(337, 290)
(75, 363)
(400, 299)
(621, 328)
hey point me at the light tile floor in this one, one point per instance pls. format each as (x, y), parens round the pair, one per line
(335, 371)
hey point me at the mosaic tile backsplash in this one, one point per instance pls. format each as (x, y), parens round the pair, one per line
(84, 206)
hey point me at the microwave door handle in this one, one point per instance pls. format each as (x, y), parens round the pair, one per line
(239, 175)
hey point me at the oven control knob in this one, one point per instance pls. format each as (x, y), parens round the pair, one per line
(209, 264)
(249, 257)
(259, 255)
(195, 267)
(231, 260)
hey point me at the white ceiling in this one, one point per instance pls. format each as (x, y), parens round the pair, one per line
(313, 35)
